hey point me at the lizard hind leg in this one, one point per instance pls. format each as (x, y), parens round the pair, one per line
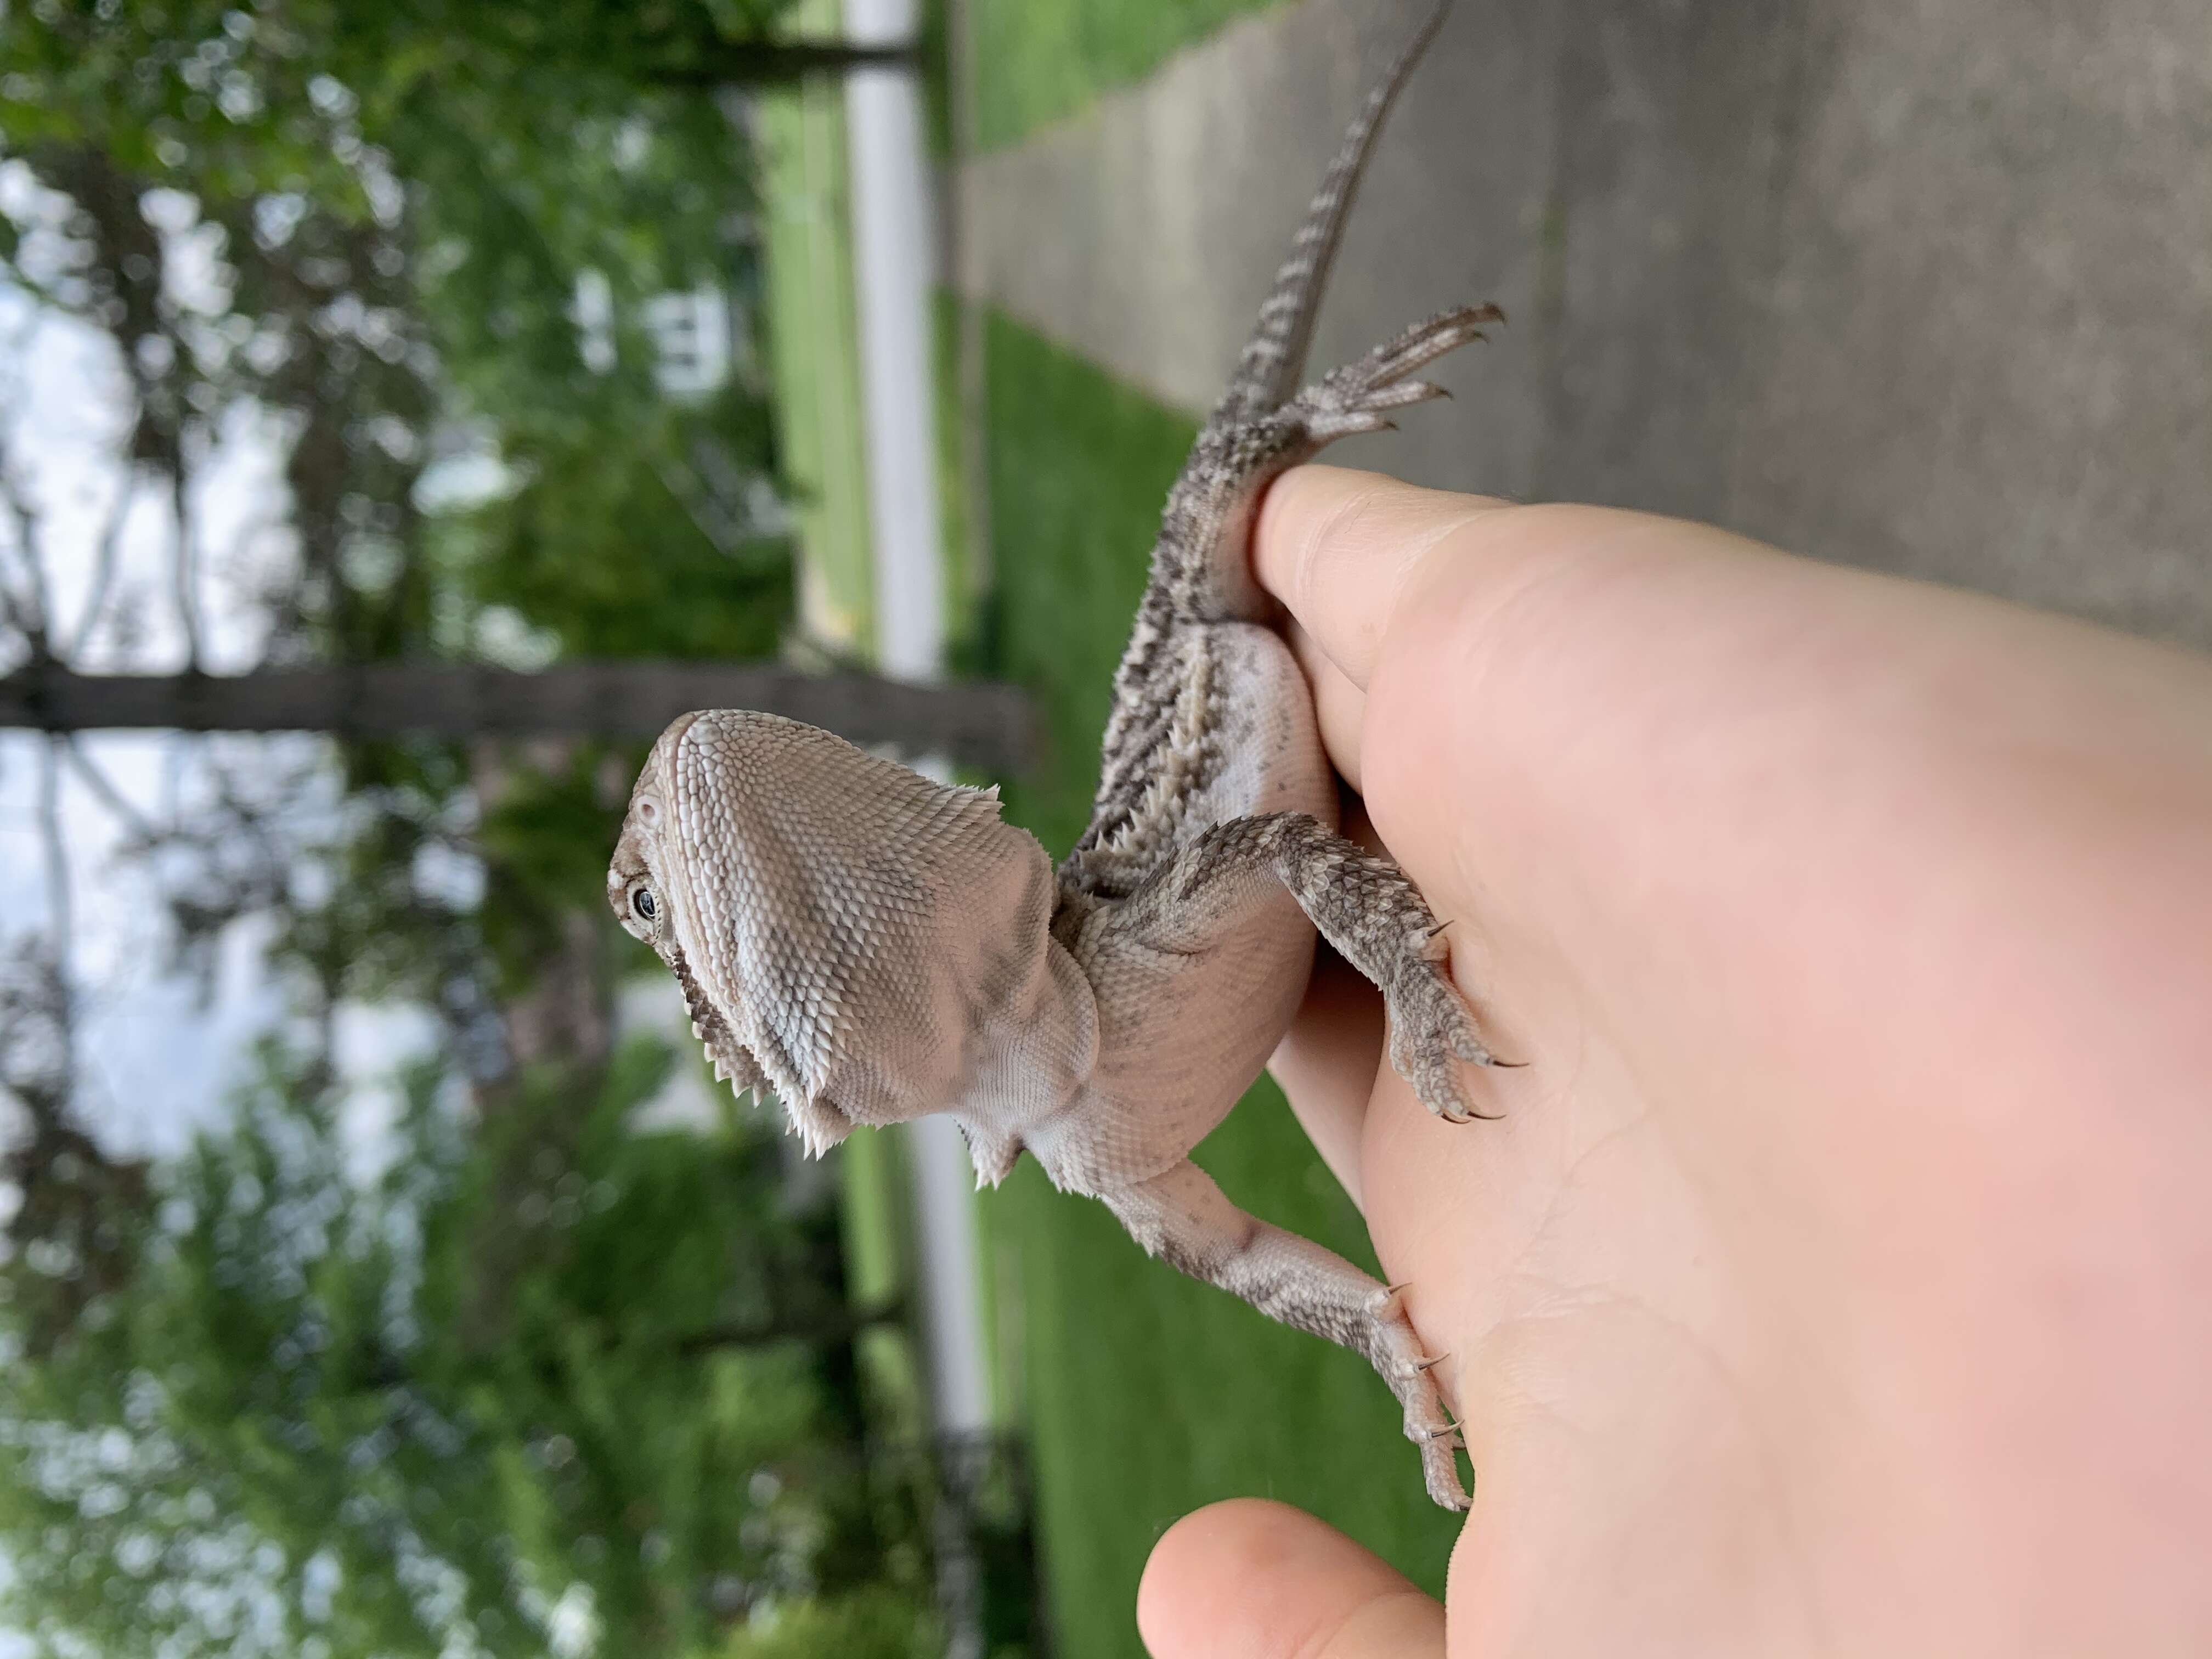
(1184, 1219)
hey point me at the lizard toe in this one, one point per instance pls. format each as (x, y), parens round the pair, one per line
(1399, 394)
(1440, 1471)
(1326, 425)
(1426, 342)
(1397, 1354)
(1430, 1031)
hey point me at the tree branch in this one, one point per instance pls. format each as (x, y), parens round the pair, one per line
(27, 613)
(103, 569)
(758, 63)
(981, 724)
(186, 572)
(139, 826)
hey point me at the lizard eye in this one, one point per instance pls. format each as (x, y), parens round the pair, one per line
(643, 902)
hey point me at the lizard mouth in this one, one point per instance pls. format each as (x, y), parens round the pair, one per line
(820, 1122)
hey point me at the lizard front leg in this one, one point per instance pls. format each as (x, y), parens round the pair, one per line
(1182, 1217)
(1363, 905)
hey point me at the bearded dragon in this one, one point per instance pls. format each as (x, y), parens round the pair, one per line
(874, 946)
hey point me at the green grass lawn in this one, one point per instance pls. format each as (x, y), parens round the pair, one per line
(1148, 1395)
(810, 332)
(1040, 60)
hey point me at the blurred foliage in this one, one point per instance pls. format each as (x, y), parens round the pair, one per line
(531, 141)
(870, 1624)
(385, 222)
(647, 547)
(432, 189)
(533, 1382)
(325, 1412)
(544, 843)
(1044, 62)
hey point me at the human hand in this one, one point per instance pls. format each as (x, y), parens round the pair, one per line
(1840, 1276)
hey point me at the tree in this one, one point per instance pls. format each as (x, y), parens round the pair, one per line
(322, 1409)
(258, 1398)
(393, 213)
(517, 147)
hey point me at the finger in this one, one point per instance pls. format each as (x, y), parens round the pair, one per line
(1252, 1580)
(1340, 549)
(1325, 1064)
(1340, 705)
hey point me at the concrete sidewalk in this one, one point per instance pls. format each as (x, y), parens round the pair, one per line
(1925, 289)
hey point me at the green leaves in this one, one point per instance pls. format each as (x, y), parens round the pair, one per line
(413, 200)
(400, 209)
(870, 1624)
(650, 548)
(325, 1382)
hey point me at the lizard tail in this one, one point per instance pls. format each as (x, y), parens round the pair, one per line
(1274, 358)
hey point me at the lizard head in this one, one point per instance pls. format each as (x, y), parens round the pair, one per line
(841, 925)
(647, 891)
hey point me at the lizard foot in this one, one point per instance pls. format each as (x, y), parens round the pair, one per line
(1359, 396)
(1367, 908)
(1183, 1218)
(1398, 1356)
(1430, 1029)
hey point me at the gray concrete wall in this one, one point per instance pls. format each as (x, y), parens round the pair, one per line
(1920, 285)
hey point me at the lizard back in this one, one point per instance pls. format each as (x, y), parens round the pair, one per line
(1164, 754)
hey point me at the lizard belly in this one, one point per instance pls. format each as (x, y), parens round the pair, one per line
(1268, 756)
(1182, 1036)
(1173, 1062)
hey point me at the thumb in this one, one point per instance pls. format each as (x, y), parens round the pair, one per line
(1343, 550)
(1251, 1580)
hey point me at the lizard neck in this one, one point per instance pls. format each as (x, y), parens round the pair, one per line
(1034, 1049)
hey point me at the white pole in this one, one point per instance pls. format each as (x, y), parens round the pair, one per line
(893, 258)
(894, 252)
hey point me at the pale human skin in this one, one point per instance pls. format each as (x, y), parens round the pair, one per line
(1838, 1278)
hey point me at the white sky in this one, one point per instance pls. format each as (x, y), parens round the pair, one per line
(155, 1062)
